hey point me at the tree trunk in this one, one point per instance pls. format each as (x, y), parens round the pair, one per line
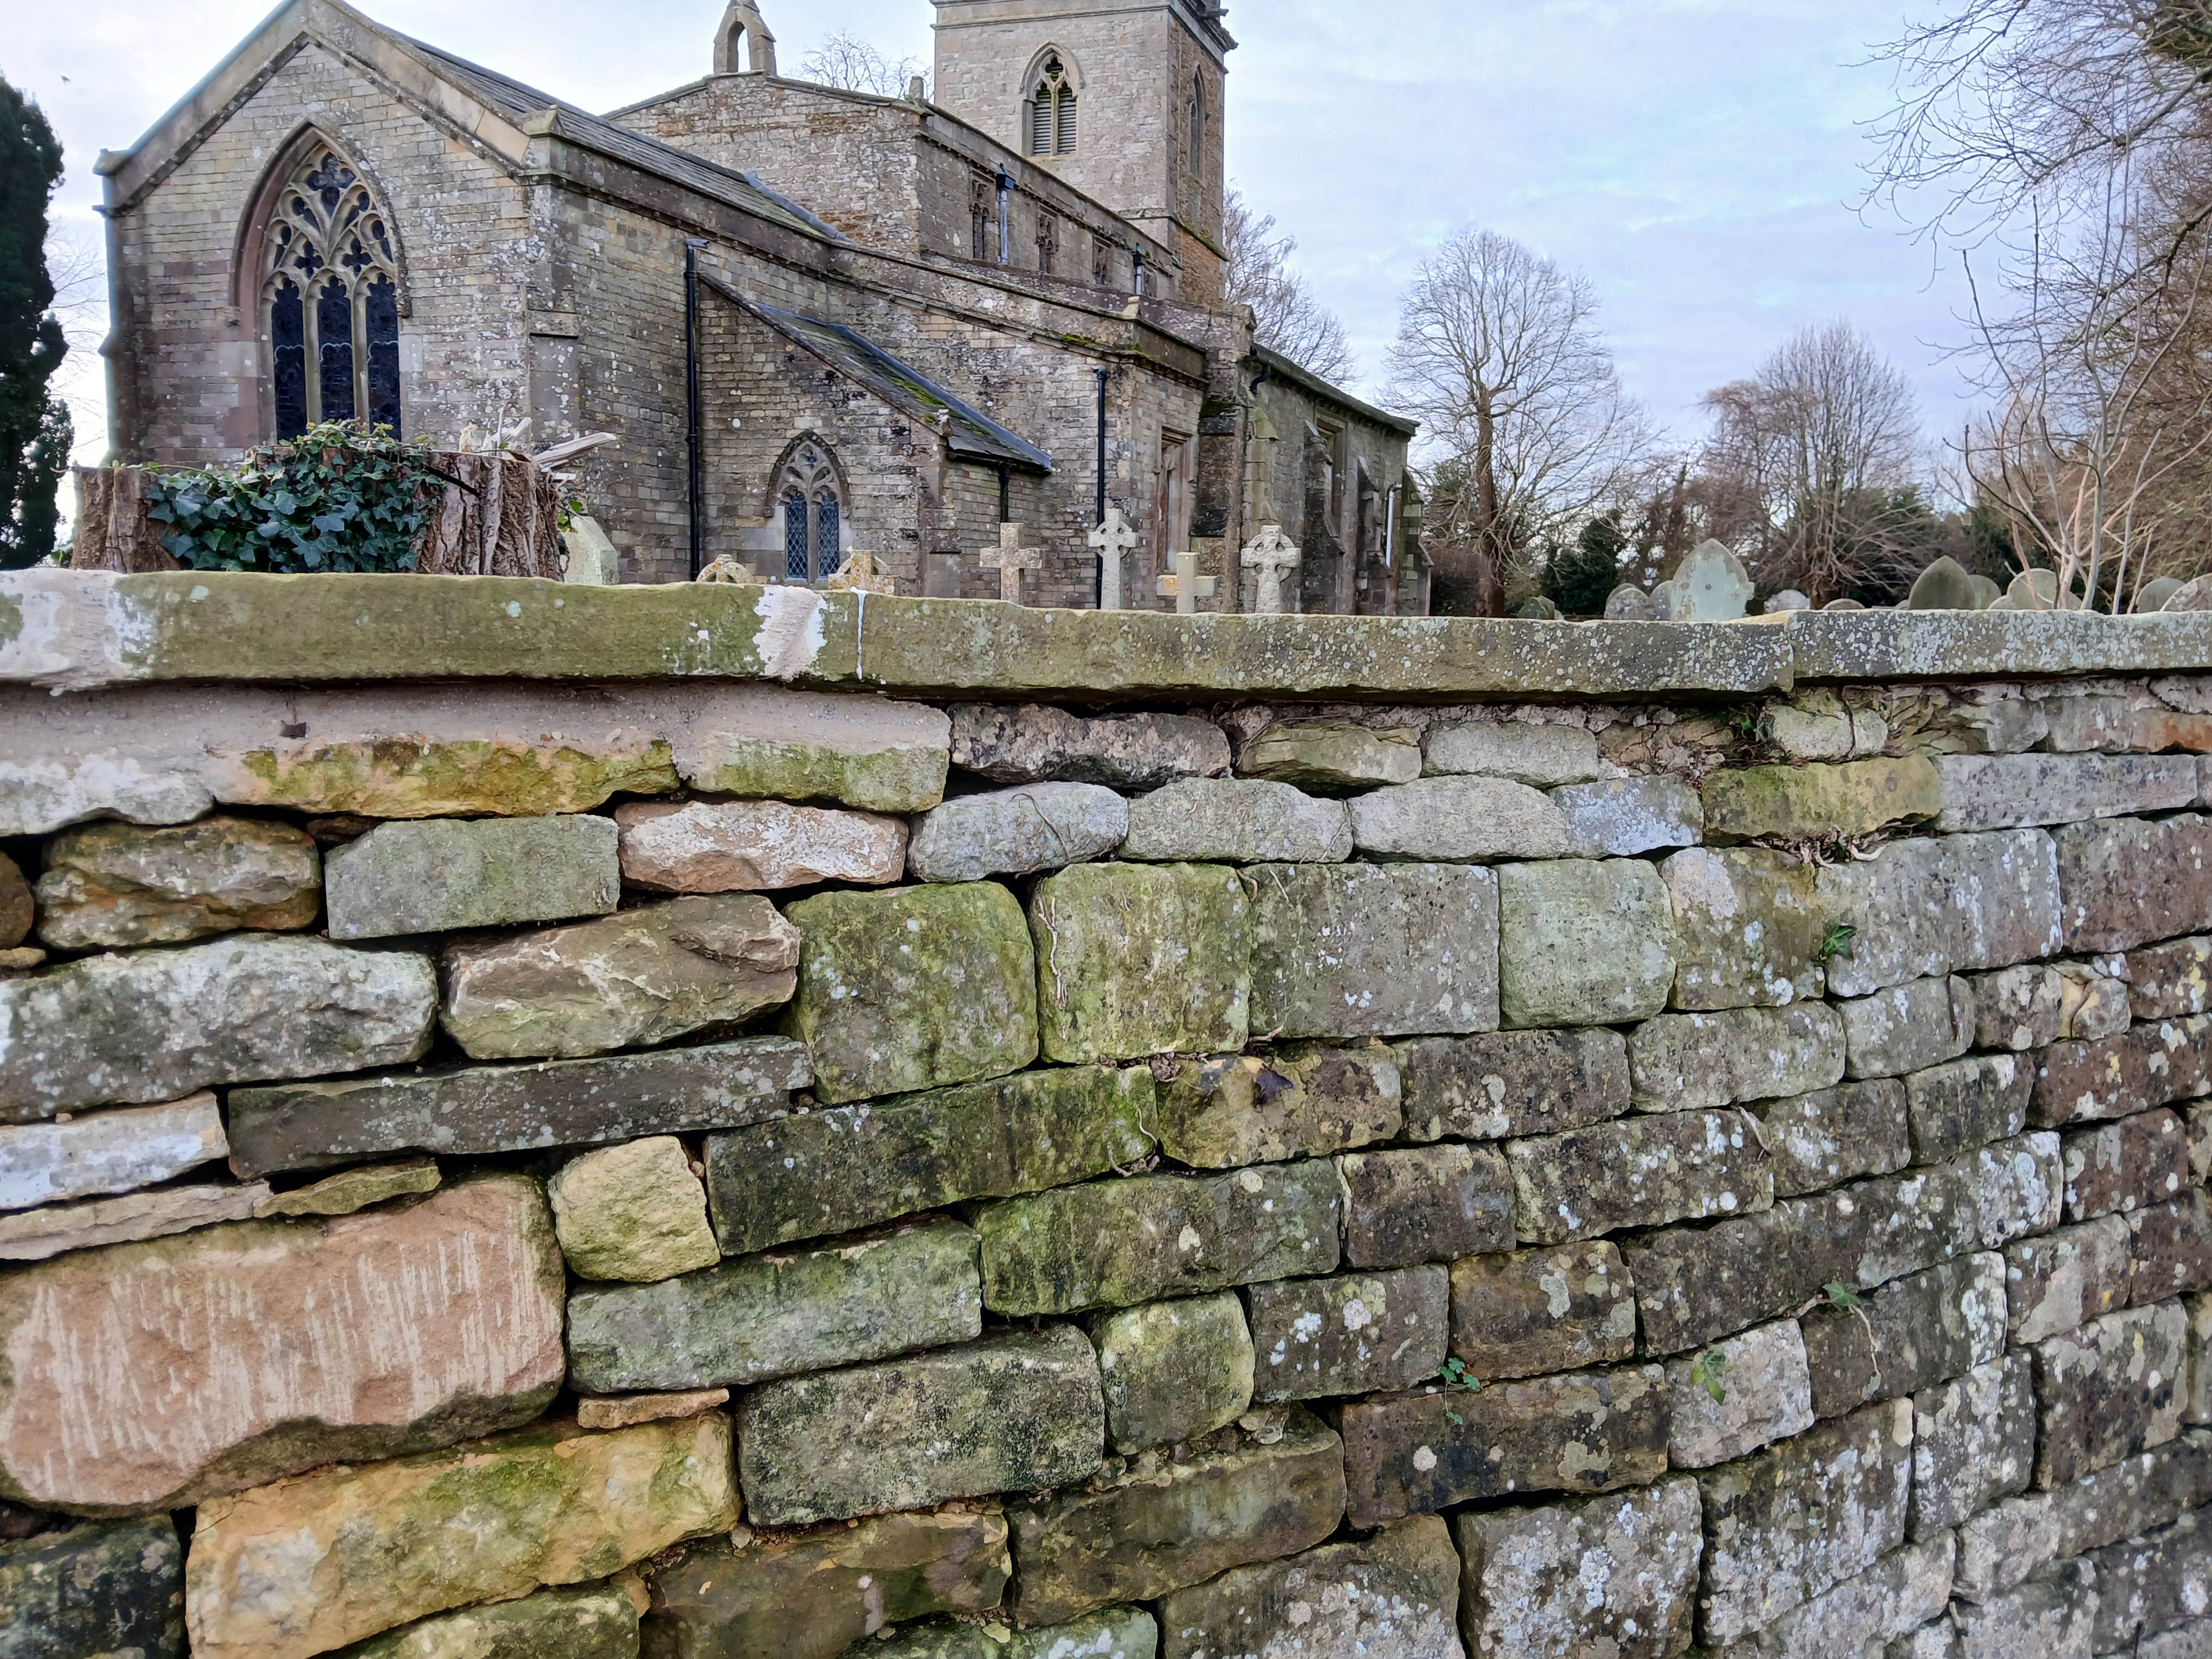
(1490, 540)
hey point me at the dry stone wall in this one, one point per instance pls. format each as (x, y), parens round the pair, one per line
(708, 1169)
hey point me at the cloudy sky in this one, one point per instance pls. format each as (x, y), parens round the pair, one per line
(1700, 159)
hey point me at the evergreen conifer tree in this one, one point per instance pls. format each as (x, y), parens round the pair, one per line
(34, 424)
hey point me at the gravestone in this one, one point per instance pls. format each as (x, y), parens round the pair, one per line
(1185, 585)
(1011, 561)
(1986, 591)
(1272, 559)
(1538, 609)
(1843, 605)
(1630, 603)
(1670, 602)
(1788, 599)
(592, 558)
(2153, 595)
(1944, 585)
(1714, 581)
(862, 572)
(1114, 540)
(2192, 596)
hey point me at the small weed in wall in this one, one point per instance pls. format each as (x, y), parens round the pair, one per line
(1712, 1367)
(1837, 942)
(1456, 1376)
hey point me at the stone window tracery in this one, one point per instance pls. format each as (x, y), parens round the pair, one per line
(330, 293)
(1048, 242)
(1198, 125)
(810, 500)
(1052, 117)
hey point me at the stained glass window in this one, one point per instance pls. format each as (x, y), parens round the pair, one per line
(331, 290)
(796, 564)
(813, 513)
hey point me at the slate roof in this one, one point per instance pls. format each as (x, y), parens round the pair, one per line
(969, 433)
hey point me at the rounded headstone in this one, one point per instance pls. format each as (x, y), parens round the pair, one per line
(1843, 605)
(1538, 609)
(2192, 596)
(1715, 583)
(1788, 599)
(1985, 591)
(1671, 602)
(1945, 585)
(2034, 590)
(1630, 603)
(2153, 595)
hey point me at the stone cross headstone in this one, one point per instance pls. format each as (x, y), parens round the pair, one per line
(1010, 559)
(862, 572)
(1186, 587)
(1272, 559)
(1713, 581)
(1114, 540)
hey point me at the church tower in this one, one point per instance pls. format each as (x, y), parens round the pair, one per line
(1125, 101)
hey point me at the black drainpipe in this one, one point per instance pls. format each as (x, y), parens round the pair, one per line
(691, 389)
(1098, 598)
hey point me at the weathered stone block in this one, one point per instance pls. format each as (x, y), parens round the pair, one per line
(1316, 1339)
(1997, 792)
(1355, 951)
(2171, 981)
(1794, 1520)
(1008, 1413)
(351, 1191)
(633, 1212)
(597, 1622)
(1425, 1204)
(1583, 942)
(1540, 755)
(755, 846)
(1017, 832)
(1133, 960)
(156, 1026)
(2197, 1121)
(764, 743)
(836, 1170)
(1908, 1027)
(1039, 745)
(2148, 1585)
(309, 1563)
(1613, 1575)
(627, 1411)
(1934, 907)
(2128, 883)
(438, 874)
(1458, 820)
(2172, 1244)
(2057, 1282)
(1330, 755)
(2108, 1389)
(914, 989)
(776, 1315)
(107, 1152)
(2190, 1641)
(2122, 1166)
(2012, 1189)
(1645, 1171)
(1236, 821)
(1535, 1311)
(1797, 802)
(811, 1594)
(109, 885)
(643, 977)
(2031, 1007)
(1750, 925)
(1114, 1244)
(1970, 1102)
(163, 1213)
(1686, 1062)
(1174, 1371)
(2002, 1546)
(1140, 1532)
(18, 908)
(1507, 1084)
(1892, 1601)
(115, 1591)
(1737, 1396)
(1836, 1134)
(1973, 1444)
(1116, 1634)
(504, 1108)
(1625, 817)
(1913, 1332)
(1697, 1285)
(1410, 1454)
(1304, 1101)
(1393, 1596)
(2052, 1617)
(2151, 1065)
(2135, 1496)
(336, 1374)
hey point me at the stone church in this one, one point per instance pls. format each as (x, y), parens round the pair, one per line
(995, 302)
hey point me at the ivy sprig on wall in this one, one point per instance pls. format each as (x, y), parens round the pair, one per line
(342, 497)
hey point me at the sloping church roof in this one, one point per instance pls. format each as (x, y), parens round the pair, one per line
(968, 432)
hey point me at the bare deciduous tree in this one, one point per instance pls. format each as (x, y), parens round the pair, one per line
(1523, 412)
(852, 64)
(1287, 318)
(1817, 456)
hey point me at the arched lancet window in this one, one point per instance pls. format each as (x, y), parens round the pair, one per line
(331, 291)
(809, 497)
(1197, 124)
(1052, 110)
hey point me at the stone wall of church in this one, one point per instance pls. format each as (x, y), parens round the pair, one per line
(583, 1123)
(185, 360)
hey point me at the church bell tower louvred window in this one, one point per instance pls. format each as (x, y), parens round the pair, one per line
(1052, 122)
(331, 299)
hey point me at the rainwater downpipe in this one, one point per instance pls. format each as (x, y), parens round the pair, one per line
(1006, 217)
(1098, 599)
(691, 396)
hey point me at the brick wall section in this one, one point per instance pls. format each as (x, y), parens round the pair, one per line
(1417, 1180)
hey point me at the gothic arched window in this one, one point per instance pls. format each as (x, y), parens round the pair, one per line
(1052, 110)
(1198, 125)
(810, 501)
(331, 291)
